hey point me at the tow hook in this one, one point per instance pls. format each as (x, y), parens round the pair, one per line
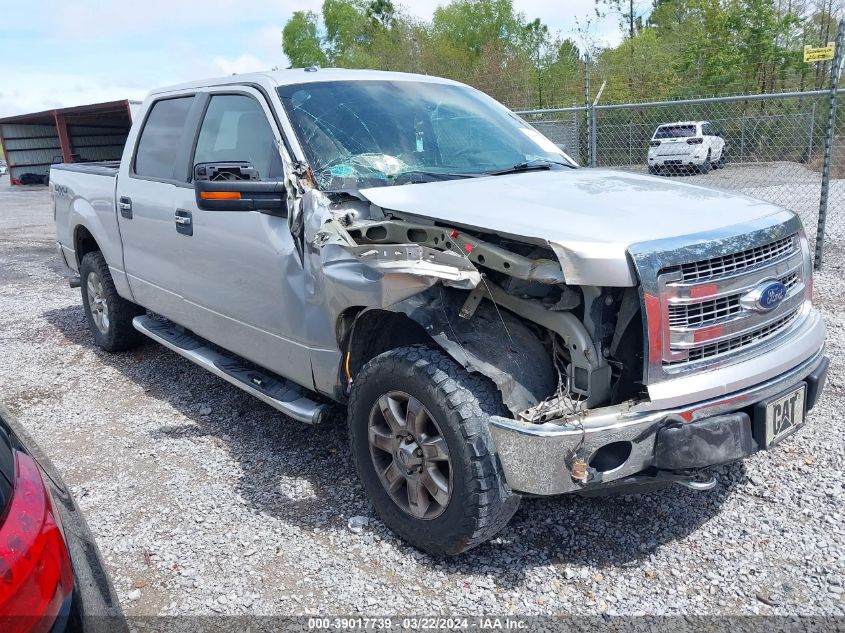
(698, 485)
(699, 482)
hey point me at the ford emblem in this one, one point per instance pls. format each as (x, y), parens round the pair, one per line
(765, 297)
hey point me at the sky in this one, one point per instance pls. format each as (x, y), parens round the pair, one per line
(61, 53)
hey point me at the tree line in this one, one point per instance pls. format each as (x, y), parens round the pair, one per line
(670, 48)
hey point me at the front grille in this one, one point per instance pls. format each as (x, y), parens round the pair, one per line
(741, 341)
(692, 296)
(737, 262)
(713, 310)
(704, 312)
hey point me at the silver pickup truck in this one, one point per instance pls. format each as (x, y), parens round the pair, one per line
(496, 321)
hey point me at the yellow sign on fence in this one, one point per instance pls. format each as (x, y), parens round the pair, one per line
(821, 54)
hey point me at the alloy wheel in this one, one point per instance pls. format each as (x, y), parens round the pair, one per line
(97, 302)
(410, 455)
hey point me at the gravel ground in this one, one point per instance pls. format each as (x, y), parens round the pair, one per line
(204, 500)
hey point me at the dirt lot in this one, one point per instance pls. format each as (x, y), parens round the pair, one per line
(206, 501)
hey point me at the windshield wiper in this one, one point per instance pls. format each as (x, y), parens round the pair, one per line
(438, 175)
(529, 165)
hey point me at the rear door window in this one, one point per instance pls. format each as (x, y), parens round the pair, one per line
(235, 129)
(161, 139)
(675, 131)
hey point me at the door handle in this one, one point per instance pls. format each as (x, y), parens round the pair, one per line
(125, 206)
(184, 222)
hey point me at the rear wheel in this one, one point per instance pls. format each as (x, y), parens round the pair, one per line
(421, 443)
(109, 315)
(653, 170)
(704, 168)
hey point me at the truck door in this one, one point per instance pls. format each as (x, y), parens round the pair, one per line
(242, 280)
(154, 167)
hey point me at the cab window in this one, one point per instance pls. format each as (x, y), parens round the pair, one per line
(161, 138)
(235, 129)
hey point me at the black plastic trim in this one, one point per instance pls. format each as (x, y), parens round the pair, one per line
(7, 470)
(708, 442)
(816, 382)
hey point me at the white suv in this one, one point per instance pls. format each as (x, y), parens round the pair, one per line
(686, 144)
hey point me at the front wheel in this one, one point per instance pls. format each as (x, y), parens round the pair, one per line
(421, 443)
(109, 315)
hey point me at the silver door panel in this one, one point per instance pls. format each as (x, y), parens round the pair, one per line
(242, 282)
(150, 245)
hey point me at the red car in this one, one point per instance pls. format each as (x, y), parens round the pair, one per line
(52, 577)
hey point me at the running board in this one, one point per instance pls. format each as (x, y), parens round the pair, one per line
(279, 393)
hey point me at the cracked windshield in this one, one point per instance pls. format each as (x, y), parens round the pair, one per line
(359, 134)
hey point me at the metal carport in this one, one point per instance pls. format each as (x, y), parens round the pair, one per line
(32, 142)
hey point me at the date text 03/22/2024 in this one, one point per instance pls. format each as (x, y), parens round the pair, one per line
(481, 623)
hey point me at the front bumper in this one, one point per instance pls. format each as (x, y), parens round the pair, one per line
(537, 458)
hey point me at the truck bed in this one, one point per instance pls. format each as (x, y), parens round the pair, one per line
(103, 168)
(84, 202)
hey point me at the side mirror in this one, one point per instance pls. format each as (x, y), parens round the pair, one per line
(235, 187)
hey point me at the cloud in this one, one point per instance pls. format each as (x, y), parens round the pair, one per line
(36, 91)
(86, 19)
(85, 51)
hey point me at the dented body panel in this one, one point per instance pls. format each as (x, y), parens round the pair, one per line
(590, 217)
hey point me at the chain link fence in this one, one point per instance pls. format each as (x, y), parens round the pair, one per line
(769, 146)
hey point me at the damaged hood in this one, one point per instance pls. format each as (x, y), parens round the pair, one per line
(589, 217)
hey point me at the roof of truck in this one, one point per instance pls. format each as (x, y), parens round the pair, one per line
(274, 78)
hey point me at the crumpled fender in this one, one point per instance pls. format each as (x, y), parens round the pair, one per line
(493, 343)
(425, 284)
(381, 275)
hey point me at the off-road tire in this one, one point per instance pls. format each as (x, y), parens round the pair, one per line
(481, 502)
(119, 335)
